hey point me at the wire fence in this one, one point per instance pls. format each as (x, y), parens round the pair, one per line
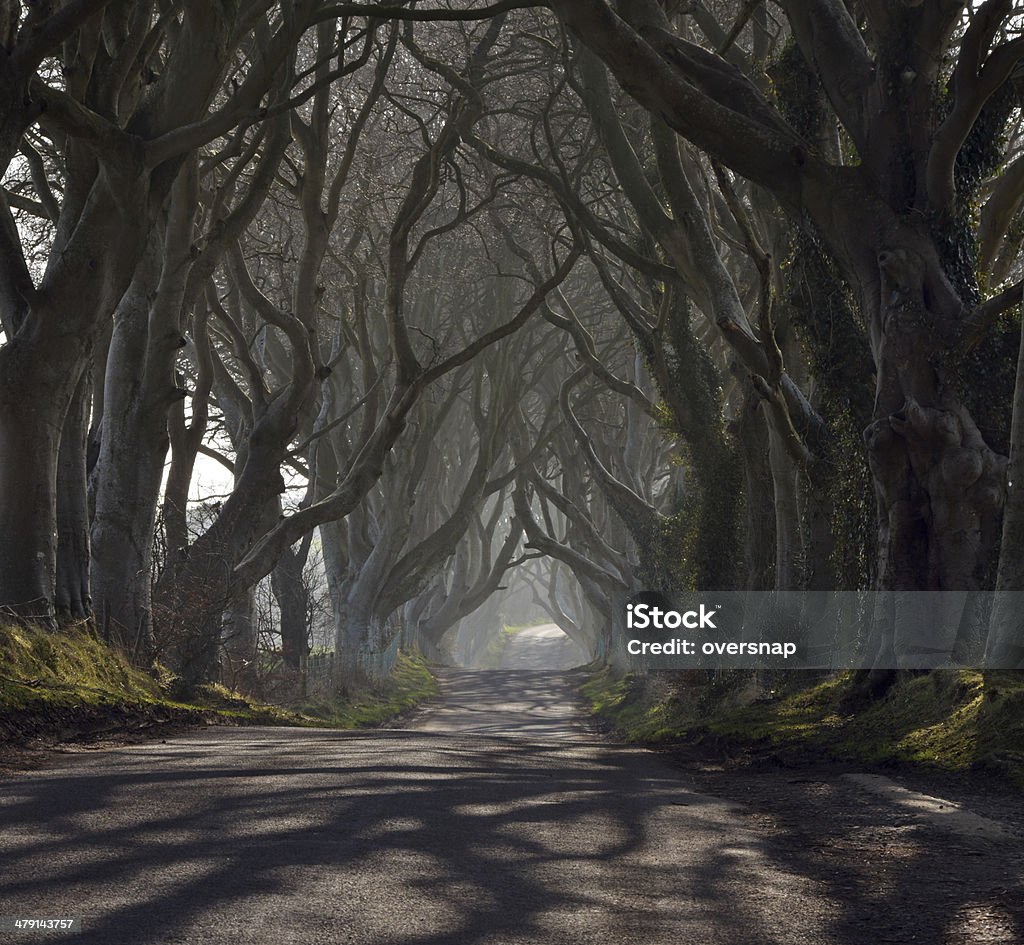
(323, 671)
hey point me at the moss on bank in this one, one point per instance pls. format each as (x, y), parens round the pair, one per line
(955, 721)
(55, 686)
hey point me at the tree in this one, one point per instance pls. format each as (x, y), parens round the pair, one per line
(126, 93)
(599, 274)
(894, 220)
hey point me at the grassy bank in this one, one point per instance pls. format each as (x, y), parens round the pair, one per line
(360, 705)
(954, 721)
(59, 686)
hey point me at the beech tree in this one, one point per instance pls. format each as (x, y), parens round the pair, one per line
(637, 284)
(671, 249)
(398, 270)
(416, 370)
(126, 92)
(273, 399)
(894, 213)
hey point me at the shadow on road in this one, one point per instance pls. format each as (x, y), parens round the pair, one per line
(428, 837)
(502, 702)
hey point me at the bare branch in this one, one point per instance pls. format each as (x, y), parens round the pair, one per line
(978, 74)
(977, 324)
(38, 37)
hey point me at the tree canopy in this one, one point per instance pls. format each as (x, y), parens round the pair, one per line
(578, 297)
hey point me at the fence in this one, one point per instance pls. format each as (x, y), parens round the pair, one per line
(321, 671)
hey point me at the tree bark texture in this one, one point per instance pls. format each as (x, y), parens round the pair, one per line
(73, 593)
(292, 597)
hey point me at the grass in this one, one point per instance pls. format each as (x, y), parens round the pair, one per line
(954, 721)
(70, 668)
(53, 685)
(361, 705)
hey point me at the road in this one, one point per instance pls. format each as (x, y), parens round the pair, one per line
(542, 647)
(495, 818)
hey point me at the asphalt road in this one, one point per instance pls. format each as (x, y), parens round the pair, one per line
(542, 647)
(495, 818)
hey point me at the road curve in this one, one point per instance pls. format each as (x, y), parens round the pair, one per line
(544, 647)
(495, 818)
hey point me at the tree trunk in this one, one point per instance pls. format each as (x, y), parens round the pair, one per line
(139, 389)
(819, 537)
(939, 486)
(333, 541)
(1005, 647)
(788, 546)
(356, 634)
(184, 450)
(73, 594)
(292, 597)
(133, 447)
(759, 546)
(32, 409)
(239, 664)
(199, 582)
(40, 370)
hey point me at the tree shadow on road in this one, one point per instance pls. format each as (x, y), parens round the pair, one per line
(417, 838)
(893, 875)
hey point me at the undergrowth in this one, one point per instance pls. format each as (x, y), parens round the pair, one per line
(363, 705)
(952, 720)
(58, 685)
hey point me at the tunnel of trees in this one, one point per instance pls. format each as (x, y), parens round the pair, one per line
(573, 298)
